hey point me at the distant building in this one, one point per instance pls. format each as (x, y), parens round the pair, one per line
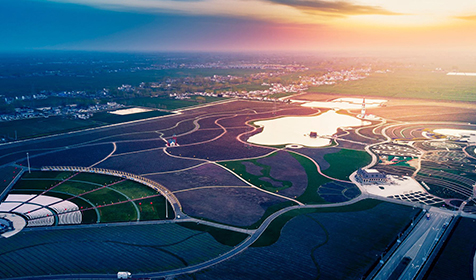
(367, 176)
(362, 111)
(172, 142)
(313, 134)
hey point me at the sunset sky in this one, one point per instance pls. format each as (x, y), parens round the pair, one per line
(237, 25)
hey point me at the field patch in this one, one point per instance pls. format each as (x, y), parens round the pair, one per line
(227, 205)
(138, 145)
(145, 162)
(314, 180)
(29, 128)
(422, 84)
(100, 198)
(226, 147)
(279, 172)
(83, 156)
(335, 192)
(318, 155)
(199, 136)
(345, 162)
(7, 174)
(455, 260)
(326, 243)
(200, 176)
(102, 250)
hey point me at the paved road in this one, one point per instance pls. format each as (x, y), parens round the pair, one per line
(245, 244)
(418, 245)
(254, 235)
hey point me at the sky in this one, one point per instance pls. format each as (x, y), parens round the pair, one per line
(238, 25)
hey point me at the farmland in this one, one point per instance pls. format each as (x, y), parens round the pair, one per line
(227, 191)
(456, 258)
(101, 250)
(407, 83)
(322, 244)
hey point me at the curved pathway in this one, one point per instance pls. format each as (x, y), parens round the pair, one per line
(174, 202)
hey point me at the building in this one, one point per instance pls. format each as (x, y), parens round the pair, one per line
(368, 176)
(5, 225)
(313, 134)
(362, 111)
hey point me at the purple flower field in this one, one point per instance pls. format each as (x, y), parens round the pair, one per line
(233, 206)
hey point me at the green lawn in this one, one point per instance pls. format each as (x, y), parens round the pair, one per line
(124, 212)
(60, 175)
(345, 162)
(314, 181)
(96, 178)
(133, 189)
(152, 208)
(75, 188)
(35, 184)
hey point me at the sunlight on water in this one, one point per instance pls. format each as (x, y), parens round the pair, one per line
(296, 130)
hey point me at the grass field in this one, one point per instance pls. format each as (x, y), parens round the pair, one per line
(345, 162)
(138, 248)
(314, 180)
(109, 195)
(124, 212)
(327, 243)
(133, 189)
(60, 175)
(408, 83)
(153, 208)
(30, 128)
(95, 178)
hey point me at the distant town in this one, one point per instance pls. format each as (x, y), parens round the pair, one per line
(226, 86)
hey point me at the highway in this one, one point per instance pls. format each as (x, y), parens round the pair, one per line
(417, 246)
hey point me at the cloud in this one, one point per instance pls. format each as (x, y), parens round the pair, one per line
(471, 18)
(338, 8)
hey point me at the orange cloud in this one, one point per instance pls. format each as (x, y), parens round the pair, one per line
(471, 18)
(339, 8)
